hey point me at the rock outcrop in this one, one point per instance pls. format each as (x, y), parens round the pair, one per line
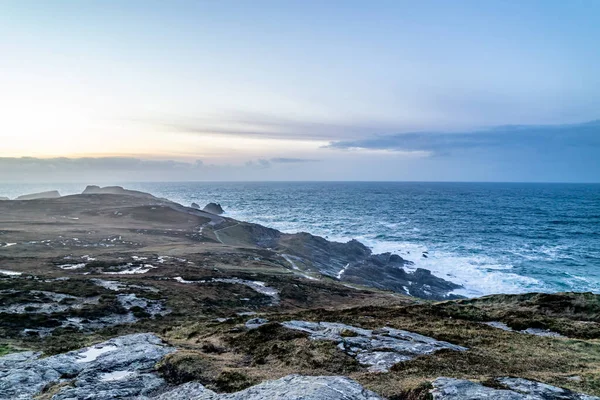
(195, 205)
(118, 368)
(379, 349)
(2, 198)
(386, 271)
(292, 387)
(516, 389)
(213, 208)
(354, 262)
(93, 189)
(51, 194)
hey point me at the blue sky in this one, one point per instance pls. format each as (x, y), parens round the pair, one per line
(341, 90)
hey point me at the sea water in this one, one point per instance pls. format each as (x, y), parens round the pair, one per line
(488, 237)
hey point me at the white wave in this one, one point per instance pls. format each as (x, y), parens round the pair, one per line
(479, 275)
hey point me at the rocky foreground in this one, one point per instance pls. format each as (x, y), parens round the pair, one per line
(119, 294)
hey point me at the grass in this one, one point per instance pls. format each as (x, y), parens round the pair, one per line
(272, 351)
(227, 357)
(5, 349)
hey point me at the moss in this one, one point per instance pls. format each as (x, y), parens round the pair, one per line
(5, 349)
(348, 333)
(181, 367)
(273, 344)
(62, 341)
(233, 381)
(421, 392)
(211, 348)
(105, 264)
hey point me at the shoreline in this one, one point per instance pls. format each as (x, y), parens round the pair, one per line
(480, 272)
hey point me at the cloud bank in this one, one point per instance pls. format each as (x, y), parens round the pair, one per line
(534, 138)
(119, 169)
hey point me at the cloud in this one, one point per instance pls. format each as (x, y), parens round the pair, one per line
(534, 137)
(284, 160)
(263, 126)
(260, 164)
(114, 169)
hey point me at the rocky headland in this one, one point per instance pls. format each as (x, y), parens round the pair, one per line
(116, 293)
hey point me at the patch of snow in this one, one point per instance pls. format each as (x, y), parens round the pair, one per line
(110, 285)
(141, 269)
(289, 259)
(94, 352)
(181, 280)
(72, 266)
(339, 275)
(10, 273)
(115, 376)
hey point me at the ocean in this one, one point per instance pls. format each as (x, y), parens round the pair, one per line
(488, 237)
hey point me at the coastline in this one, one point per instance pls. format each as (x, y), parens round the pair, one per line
(525, 253)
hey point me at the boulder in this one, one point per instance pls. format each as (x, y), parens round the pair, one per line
(195, 205)
(118, 368)
(291, 387)
(516, 389)
(256, 323)
(51, 194)
(213, 208)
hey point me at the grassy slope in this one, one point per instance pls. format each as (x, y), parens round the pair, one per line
(271, 351)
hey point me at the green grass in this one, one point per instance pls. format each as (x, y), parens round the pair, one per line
(5, 349)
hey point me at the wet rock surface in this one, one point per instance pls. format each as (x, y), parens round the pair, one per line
(516, 389)
(354, 262)
(118, 368)
(292, 387)
(379, 349)
(213, 208)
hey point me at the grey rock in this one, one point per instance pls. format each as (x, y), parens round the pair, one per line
(44, 302)
(528, 331)
(152, 307)
(3, 198)
(256, 323)
(543, 391)
(213, 208)
(541, 332)
(375, 271)
(195, 205)
(291, 387)
(379, 349)
(187, 391)
(51, 194)
(458, 389)
(517, 389)
(352, 262)
(117, 368)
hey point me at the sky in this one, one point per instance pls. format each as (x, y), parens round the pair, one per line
(299, 90)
